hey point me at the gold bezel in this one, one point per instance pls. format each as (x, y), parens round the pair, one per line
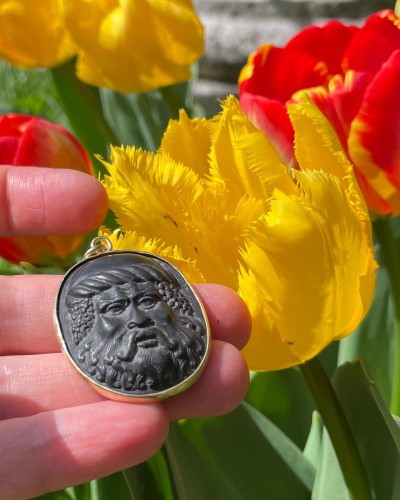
(115, 394)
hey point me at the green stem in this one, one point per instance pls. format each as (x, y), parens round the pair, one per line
(338, 428)
(391, 261)
(82, 105)
(177, 97)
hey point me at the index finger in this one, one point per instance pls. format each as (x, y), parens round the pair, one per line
(43, 201)
(27, 302)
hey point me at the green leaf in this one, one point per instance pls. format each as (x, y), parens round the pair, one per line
(312, 449)
(373, 427)
(329, 481)
(82, 492)
(82, 105)
(239, 456)
(150, 480)
(141, 119)
(373, 339)
(67, 494)
(279, 395)
(138, 119)
(30, 92)
(112, 486)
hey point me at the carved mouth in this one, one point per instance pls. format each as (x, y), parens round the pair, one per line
(146, 339)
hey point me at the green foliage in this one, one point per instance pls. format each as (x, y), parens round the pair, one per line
(375, 431)
(30, 92)
(239, 456)
(280, 395)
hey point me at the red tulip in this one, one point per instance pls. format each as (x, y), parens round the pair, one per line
(353, 75)
(31, 141)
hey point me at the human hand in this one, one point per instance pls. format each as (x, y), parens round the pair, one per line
(55, 430)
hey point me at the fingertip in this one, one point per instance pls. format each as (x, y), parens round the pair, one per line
(219, 390)
(227, 314)
(43, 201)
(95, 204)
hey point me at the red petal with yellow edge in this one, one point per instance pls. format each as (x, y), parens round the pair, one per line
(341, 102)
(374, 141)
(374, 43)
(277, 73)
(271, 117)
(325, 43)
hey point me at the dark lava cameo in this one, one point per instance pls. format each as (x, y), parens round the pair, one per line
(132, 324)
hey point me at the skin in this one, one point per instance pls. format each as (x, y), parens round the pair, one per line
(70, 434)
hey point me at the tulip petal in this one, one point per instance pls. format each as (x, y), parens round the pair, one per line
(325, 43)
(33, 34)
(341, 101)
(44, 144)
(242, 159)
(8, 149)
(312, 128)
(271, 117)
(131, 239)
(292, 70)
(43, 250)
(314, 291)
(194, 137)
(373, 43)
(134, 45)
(374, 139)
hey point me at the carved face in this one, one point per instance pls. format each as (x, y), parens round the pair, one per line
(133, 311)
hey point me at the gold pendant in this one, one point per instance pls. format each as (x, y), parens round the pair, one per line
(131, 324)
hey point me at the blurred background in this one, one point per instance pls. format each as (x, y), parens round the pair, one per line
(235, 28)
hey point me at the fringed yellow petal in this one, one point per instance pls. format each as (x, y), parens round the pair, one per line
(265, 350)
(151, 192)
(242, 159)
(131, 240)
(188, 141)
(314, 265)
(317, 147)
(165, 200)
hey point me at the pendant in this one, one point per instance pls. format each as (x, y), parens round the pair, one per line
(131, 324)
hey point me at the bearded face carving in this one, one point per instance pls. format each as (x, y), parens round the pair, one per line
(131, 325)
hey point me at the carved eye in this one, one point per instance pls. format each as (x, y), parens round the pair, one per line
(147, 301)
(114, 308)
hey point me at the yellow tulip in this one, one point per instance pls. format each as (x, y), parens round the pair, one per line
(126, 45)
(134, 45)
(218, 202)
(32, 34)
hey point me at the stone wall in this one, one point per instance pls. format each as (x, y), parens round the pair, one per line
(235, 28)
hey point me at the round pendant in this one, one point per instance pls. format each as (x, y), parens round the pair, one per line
(132, 325)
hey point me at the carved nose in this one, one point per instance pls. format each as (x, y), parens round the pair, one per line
(137, 318)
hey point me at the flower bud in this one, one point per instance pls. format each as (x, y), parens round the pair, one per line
(31, 141)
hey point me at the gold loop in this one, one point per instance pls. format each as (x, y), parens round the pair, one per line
(98, 245)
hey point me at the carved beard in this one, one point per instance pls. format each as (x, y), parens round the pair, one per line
(121, 363)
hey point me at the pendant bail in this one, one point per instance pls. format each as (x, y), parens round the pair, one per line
(98, 245)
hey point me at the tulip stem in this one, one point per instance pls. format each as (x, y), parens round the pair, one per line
(82, 105)
(391, 261)
(338, 429)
